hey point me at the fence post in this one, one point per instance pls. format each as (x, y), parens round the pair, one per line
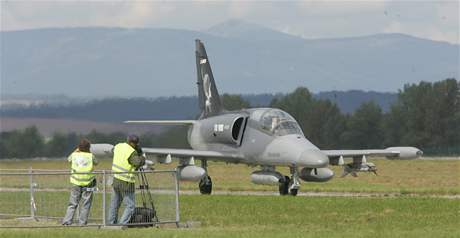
(104, 182)
(32, 199)
(177, 196)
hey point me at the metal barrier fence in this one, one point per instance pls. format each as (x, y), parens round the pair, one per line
(40, 198)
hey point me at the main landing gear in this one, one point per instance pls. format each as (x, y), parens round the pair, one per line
(205, 183)
(290, 185)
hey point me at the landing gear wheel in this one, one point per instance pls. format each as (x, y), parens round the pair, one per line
(205, 185)
(284, 186)
(293, 192)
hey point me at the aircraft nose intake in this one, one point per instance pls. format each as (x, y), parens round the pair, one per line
(313, 159)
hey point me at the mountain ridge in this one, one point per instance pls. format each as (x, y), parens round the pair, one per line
(186, 107)
(149, 62)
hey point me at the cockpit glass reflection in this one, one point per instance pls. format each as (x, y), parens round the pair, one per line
(279, 123)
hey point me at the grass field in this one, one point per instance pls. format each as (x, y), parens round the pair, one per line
(410, 176)
(274, 216)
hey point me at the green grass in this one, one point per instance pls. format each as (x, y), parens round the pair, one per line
(54, 204)
(409, 176)
(274, 216)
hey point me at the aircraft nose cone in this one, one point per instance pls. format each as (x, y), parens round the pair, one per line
(313, 159)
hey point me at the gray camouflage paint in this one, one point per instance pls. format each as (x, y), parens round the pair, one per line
(267, 137)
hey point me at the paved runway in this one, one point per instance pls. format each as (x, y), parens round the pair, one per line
(266, 193)
(323, 194)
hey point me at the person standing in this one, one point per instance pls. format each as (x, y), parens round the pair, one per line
(83, 182)
(127, 158)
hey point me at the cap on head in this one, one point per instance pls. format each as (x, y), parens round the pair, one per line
(133, 139)
(84, 145)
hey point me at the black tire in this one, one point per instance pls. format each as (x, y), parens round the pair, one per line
(294, 192)
(284, 186)
(205, 185)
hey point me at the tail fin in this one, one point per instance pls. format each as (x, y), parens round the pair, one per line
(208, 96)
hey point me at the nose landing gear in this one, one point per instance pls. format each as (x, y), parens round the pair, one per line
(284, 185)
(290, 185)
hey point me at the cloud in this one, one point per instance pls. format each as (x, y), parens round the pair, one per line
(34, 14)
(144, 13)
(433, 20)
(311, 19)
(340, 8)
(240, 9)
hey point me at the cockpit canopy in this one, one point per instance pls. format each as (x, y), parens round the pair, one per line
(278, 122)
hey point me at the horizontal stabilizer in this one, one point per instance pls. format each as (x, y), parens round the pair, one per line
(163, 122)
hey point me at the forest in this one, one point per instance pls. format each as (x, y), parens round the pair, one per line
(425, 115)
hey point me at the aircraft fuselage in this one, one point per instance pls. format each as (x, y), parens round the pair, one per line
(261, 136)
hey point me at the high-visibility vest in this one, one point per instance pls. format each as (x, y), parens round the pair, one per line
(82, 162)
(121, 154)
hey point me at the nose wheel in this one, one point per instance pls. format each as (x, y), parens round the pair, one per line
(284, 186)
(293, 191)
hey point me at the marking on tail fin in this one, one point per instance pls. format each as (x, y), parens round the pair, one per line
(207, 92)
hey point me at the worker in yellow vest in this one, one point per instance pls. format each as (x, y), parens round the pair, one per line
(127, 158)
(83, 182)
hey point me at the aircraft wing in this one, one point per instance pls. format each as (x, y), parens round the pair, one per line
(360, 163)
(389, 153)
(197, 154)
(360, 153)
(163, 153)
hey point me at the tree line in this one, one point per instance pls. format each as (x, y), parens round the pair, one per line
(169, 108)
(425, 115)
(29, 143)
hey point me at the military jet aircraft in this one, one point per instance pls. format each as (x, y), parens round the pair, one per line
(265, 137)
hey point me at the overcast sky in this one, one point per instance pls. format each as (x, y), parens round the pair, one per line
(437, 20)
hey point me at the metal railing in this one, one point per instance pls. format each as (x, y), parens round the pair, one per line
(41, 198)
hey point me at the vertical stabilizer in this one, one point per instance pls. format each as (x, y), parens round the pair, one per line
(208, 96)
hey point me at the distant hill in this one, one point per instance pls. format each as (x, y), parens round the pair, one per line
(246, 59)
(113, 109)
(116, 110)
(48, 126)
